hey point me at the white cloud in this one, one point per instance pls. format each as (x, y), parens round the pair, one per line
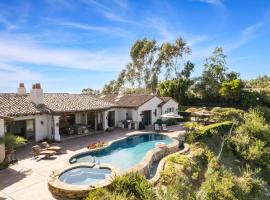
(110, 14)
(248, 34)
(10, 76)
(106, 60)
(213, 2)
(121, 3)
(112, 30)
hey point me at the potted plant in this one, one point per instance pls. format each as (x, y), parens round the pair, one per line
(11, 142)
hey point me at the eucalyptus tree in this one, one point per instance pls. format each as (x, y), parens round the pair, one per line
(148, 60)
(172, 56)
(215, 72)
(144, 66)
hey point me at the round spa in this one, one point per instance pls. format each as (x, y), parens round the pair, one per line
(85, 175)
(76, 181)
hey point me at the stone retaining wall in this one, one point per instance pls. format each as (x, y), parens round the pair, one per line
(162, 163)
(153, 155)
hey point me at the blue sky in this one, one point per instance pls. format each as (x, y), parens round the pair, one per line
(68, 45)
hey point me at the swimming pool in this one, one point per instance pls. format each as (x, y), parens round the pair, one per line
(124, 153)
(85, 175)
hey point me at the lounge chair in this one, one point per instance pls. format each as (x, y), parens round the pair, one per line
(46, 146)
(164, 128)
(156, 128)
(38, 151)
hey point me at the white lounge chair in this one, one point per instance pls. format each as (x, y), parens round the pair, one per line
(164, 128)
(156, 128)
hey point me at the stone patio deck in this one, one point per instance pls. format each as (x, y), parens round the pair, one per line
(28, 178)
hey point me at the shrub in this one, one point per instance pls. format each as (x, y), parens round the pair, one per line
(231, 114)
(248, 186)
(159, 122)
(133, 185)
(251, 139)
(266, 112)
(186, 116)
(109, 129)
(170, 122)
(218, 185)
(103, 194)
(180, 190)
(197, 131)
(12, 141)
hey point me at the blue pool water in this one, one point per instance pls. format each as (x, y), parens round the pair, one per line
(125, 153)
(84, 176)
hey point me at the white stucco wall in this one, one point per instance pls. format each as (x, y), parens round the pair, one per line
(170, 104)
(2, 145)
(150, 105)
(122, 114)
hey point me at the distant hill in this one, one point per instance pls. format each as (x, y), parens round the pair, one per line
(260, 84)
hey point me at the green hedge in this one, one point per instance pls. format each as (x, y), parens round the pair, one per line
(186, 116)
(197, 131)
(168, 122)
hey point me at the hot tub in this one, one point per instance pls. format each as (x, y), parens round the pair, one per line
(85, 175)
(73, 182)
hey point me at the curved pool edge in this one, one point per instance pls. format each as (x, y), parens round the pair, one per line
(153, 155)
(60, 189)
(161, 165)
(111, 142)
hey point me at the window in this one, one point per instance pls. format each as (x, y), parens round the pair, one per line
(171, 109)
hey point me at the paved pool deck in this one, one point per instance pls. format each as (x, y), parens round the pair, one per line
(28, 178)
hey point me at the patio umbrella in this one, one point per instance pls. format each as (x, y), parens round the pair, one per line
(204, 112)
(171, 115)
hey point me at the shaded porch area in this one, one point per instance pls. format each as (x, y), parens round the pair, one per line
(80, 123)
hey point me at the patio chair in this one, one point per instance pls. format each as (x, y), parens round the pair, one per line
(46, 146)
(164, 128)
(156, 128)
(38, 151)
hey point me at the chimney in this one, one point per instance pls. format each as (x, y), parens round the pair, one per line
(21, 89)
(36, 94)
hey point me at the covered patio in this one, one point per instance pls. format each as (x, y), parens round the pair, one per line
(72, 124)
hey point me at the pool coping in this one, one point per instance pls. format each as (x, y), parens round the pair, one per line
(64, 190)
(140, 167)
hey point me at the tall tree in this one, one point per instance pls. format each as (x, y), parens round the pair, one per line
(144, 63)
(214, 73)
(172, 56)
(178, 87)
(90, 91)
(148, 60)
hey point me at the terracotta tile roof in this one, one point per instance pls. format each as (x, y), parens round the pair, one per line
(63, 102)
(128, 101)
(15, 105)
(165, 100)
(12, 105)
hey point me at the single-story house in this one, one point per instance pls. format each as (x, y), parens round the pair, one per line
(37, 115)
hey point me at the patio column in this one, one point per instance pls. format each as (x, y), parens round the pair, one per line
(105, 120)
(96, 120)
(56, 128)
(86, 122)
(2, 144)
